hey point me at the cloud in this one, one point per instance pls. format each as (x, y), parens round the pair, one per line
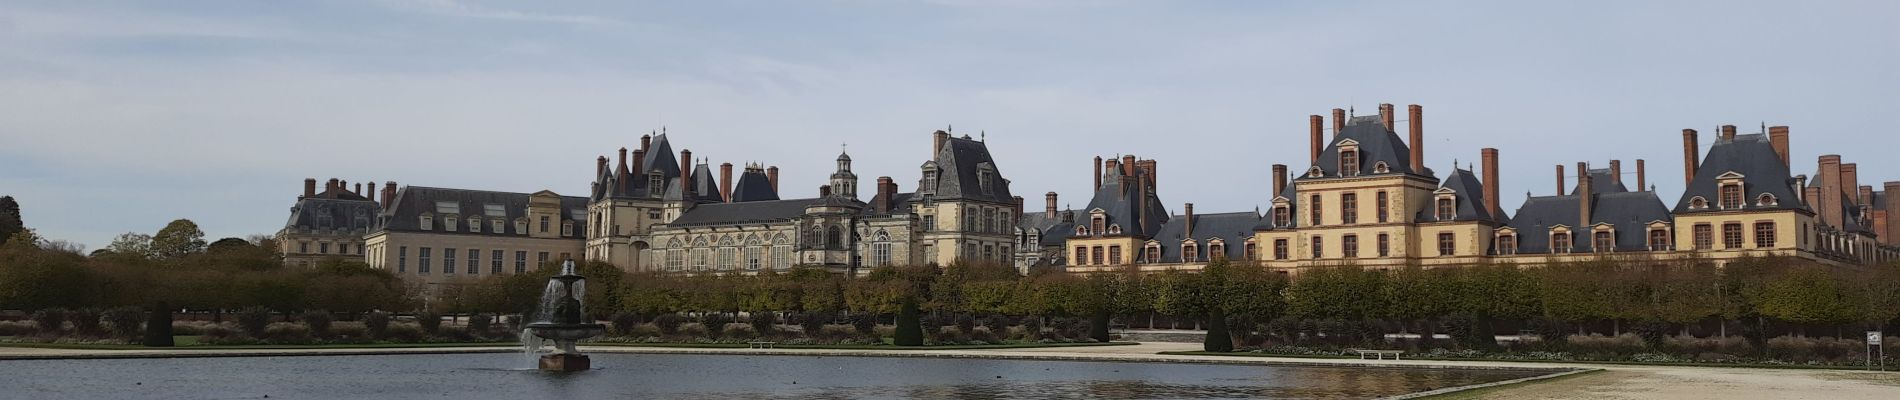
(465, 9)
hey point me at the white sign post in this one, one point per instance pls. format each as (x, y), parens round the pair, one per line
(1875, 352)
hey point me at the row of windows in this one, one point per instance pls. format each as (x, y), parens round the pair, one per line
(978, 220)
(324, 248)
(1348, 210)
(1151, 254)
(471, 265)
(1729, 197)
(728, 258)
(451, 224)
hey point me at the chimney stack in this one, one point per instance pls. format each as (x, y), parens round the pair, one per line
(1049, 205)
(389, 194)
(824, 191)
(725, 181)
(1584, 199)
(344, 186)
(1018, 216)
(1892, 234)
(1728, 133)
(686, 175)
(622, 167)
(1778, 138)
(1113, 166)
(309, 187)
(1616, 171)
(1417, 121)
(1690, 155)
(1279, 180)
(1866, 195)
(1151, 168)
(646, 142)
(370, 192)
(1319, 136)
(1829, 202)
(1190, 221)
(639, 157)
(1490, 159)
(885, 188)
(1850, 182)
(936, 143)
(771, 175)
(358, 189)
(1098, 172)
(1128, 165)
(1642, 182)
(1339, 121)
(330, 188)
(600, 167)
(1386, 115)
(1560, 179)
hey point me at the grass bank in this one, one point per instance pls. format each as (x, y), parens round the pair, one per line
(1580, 362)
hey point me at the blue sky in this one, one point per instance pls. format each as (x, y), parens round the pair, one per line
(120, 116)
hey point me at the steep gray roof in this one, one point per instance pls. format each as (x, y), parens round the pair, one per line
(1761, 169)
(705, 188)
(1233, 229)
(959, 164)
(1376, 144)
(747, 212)
(753, 185)
(1054, 229)
(1602, 181)
(412, 201)
(322, 213)
(1123, 204)
(1468, 202)
(659, 158)
(1629, 212)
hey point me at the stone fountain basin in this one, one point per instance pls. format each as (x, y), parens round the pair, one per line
(553, 331)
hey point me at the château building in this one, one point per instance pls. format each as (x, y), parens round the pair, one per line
(328, 224)
(439, 236)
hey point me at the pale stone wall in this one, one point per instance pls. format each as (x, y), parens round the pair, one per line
(386, 251)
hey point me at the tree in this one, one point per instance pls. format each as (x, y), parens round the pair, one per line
(129, 245)
(10, 222)
(179, 238)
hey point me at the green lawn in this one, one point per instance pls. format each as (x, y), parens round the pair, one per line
(1713, 365)
(191, 343)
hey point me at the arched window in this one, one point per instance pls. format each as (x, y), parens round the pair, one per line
(1698, 203)
(815, 239)
(1081, 231)
(1380, 168)
(834, 237)
(1765, 200)
(1115, 229)
(1731, 196)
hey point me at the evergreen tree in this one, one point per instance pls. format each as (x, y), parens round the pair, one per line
(10, 222)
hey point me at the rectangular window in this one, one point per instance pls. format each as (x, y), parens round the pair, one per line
(1385, 245)
(1445, 210)
(494, 210)
(1658, 240)
(1279, 249)
(1314, 205)
(754, 257)
(1349, 246)
(544, 224)
(1507, 245)
(1318, 246)
(474, 261)
(1114, 255)
(1097, 253)
(1560, 243)
(402, 259)
(323, 248)
(422, 261)
(1764, 235)
(498, 225)
(1732, 235)
(1447, 243)
(1252, 253)
(675, 258)
(1081, 255)
(1349, 208)
(930, 223)
(448, 260)
(781, 257)
(1604, 242)
(303, 247)
(1281, 217)
(989, 251)
(359, 250)
(1704, 237)
(1381, 199)
(494, 261)
(521, 262)
(541, 259)
(343, 248)
(726, 256)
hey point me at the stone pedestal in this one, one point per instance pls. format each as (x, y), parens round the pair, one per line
(565, 362)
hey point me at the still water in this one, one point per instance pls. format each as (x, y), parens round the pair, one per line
(642, 376)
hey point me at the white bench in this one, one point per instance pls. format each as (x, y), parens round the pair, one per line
(761, 345)
(1378, 354)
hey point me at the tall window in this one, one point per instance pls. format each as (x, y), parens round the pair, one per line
(881, 254)
(1381, 207)
(1097, 254)
(1251, 252)
(781, 256)
(1385, 245)
(700, 257)
(1349, 246)
(1704, 236)
(1732, 235)
(1154, 253)
(1507, 244)
(1603, 242)
(930, 223)
(494, 261)
(1731, 196)
(1081, 255)
(544, 224)
(1279, 249)
(1318, 244)
(474, 261)
(1349, 208)
(1764, 235)
(834, 237)
(1658, 240)
(1114, 255)
(969, 219)
(1315, 206)
(1282, 217)
(1189, 253)
(1095, 224)
(448, 261)
(521, 262)
(1445, 210)
(1349, 163)
(1447, 244)
(402, 259)
(422, 261)
(323, 247)
(988, 215)
(1560, 242)
(727, 256)
(1216, 250)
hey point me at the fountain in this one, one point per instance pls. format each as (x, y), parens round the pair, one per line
(561, 319)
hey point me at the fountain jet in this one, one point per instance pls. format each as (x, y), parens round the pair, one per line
(561, 319)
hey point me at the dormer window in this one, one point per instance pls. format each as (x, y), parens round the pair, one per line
(1153, 253)
(1507, 243)
(1731, 197)
(448, 223)
(427, 222)
(1658, 239)
(499, 224)
(521, 226)
(1446, 209)
(1216, 249)
(1349, 162)
(1282, 217)
(1096, 222)
(1604, 241)
(1081, 231)
(1381, 168)
(1315, 172)
(1765, 200)
(475, 224)
(1560, 242)
(1698, 203)
(1188, 252)
(567, 228)
(1115, 229)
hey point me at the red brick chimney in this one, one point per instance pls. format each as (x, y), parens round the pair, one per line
(1279, 180)
(1113, 166)
(1812, 196)
(1778, 138)
(600, 167)
(1728, 133)
(358, 189)
(646, 142)
(1417, 120)
(771, 175)
(1318, 128)
(1490, 159)
(1560, 179)
(1866, 196)
(824, 190)
(1892, 213)
(1098, 172)
(370, 192)
(1616, 171)
(389, 194)
(725, 181)
(1691, 149)
(1850, 182)
(1049, 205)
(330, 188)
(1018, 211)
(1583, 200)
(885, 189)
(1128, 165)
(622, 167)
(1190, 221)
(1642, 182)
(936, 143)
(309, 187)
(639, 157)
(1152, 168)
(686, 174)
(1828, 204)
(1386, 115)
(1339, 121)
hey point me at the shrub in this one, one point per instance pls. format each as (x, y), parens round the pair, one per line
(996, 323)
(429, 321)
(254, 320)
(1470, 332)
(1601, 347)
(318, 321)
(986, 336)
(125, 321)
(350, 331)
(1550, 331)
(966, 324)
(1651, 331)
(643, 330)
(693, 329)
(945, 337)
(377, 323)
(762, 322)
(713, 320)
(17, 328)
(865, 324)
(834, 333)
(1032, 328)
(287, 333)
(512, 322)
(667, 323)
(190, 328)
(223, 334)
(481, 325)
(403, 333)
(813, 322)
(51, 321)
(739, 331)
(624, 322)
(86, 321)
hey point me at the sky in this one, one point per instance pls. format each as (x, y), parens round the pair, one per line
(121, 116)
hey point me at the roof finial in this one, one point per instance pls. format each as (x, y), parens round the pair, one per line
(984, 135)
(950, 128)
(662, 129)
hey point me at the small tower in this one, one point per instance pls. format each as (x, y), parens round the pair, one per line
(844, 183)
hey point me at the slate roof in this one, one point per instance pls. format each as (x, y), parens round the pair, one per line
(1602, 181)
(959, 163)
(746, 212)
(323, 213)
(616, 182)
(1123, 204)
(1762, 172)
(1629, 212)
(412, 201)
(1233, 229)
(1376, 144)
(1468, 202)
(753, 185)
(705, 188)
(1053, 230)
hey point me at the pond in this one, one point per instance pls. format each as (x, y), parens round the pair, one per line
(504, 376)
